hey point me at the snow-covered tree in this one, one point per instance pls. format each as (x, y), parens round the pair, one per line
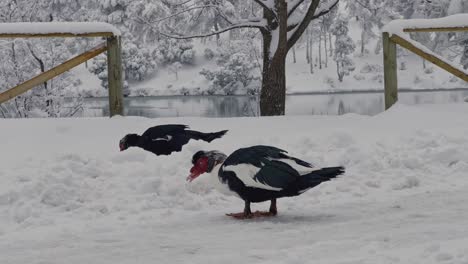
(235, 76)
(456, 7)
(370, 14)
(238, 71)
(344, 47)
(281, 24)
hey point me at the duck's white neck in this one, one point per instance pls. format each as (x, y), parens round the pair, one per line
(218, 184)
(214, 172)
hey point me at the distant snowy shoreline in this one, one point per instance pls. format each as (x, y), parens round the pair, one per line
(402, 90)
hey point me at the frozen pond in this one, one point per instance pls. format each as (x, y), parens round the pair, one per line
(367, 103)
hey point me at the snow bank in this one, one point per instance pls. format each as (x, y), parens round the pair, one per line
(69, 196)
(57, 27)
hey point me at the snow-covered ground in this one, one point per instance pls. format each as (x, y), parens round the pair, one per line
(69, 196)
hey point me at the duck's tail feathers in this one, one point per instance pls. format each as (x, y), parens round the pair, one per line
(318, 176)
(208, 137)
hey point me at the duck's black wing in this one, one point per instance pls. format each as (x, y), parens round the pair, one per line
(265, 167)
(162, 131)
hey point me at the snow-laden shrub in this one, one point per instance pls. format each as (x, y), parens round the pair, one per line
(371, 68)
(173, 50)
(417, 79)
(378, 78)
(403, 66)
(187, 56)
(454, 79)
(208, 54)
(329, 81)
(359, 77)
(138, 64)
(175, 68)
(235, 76)
(428, 70)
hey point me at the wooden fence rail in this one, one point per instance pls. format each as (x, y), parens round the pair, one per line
(390, 43)
(114, 67)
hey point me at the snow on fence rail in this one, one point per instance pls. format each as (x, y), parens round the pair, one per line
(396, 32)
(57, 29)
(72, 29)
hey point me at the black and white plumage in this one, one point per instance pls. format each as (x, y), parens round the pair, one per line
(261, 173)
(165, 139)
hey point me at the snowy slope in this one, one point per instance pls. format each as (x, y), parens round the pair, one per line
(68, 195)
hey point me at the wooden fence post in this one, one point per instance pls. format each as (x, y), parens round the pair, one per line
(114, 69)
(390, 71)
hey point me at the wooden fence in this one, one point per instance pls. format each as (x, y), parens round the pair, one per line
(390, 58)
(114, 66)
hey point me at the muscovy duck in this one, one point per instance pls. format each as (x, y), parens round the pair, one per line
(165, 139)
(260, 173)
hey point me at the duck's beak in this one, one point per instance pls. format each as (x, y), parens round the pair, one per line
(194, 173)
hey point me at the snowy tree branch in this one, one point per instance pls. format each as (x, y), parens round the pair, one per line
(182, 12)
(269, 9)
(309, 16)
(167, 3)
(181, 36)
(293, 6)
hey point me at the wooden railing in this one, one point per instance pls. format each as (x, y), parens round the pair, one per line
(114, 66)
(390, 41)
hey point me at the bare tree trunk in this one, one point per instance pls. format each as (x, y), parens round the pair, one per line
(325, 46)
(320, 51)
(2, 111)
(330, 41)
(294, 54)
(363, 36)
(340, 76)
(273, 94)
(20, 80)
(217, 35)
(311, 52)
(307, 47)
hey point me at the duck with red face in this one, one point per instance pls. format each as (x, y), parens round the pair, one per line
(260, 173)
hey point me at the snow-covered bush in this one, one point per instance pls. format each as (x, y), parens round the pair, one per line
(428, 70)
(173, 50)
(208, 54)
(359, 77)
(174, 68)
(329, 81)
(371, 68)
(417, 79)
(235, 76)
(138, 64)
(378, 78)
(403, 66)
(453, 79)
